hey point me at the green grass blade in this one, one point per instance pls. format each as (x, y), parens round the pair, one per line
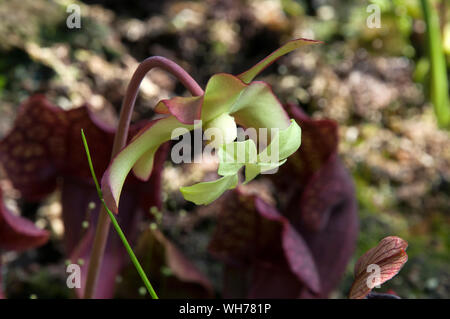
(439, 88)
(119, 231)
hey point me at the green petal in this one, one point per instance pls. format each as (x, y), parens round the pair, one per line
(207, 192)
(144, 166)
(223, 125)
(233, 156)
(222, 90)
(221, 93)
(250, 74)
(139, 152)
(290, 140)
(287, 141)
(257, 107)
(253, 170)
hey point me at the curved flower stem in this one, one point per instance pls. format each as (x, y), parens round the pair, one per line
(120, 139)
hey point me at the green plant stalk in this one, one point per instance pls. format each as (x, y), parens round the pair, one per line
(120, 139)
(119, 231)
(439, 87)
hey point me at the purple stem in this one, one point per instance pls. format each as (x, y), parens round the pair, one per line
(120, 140)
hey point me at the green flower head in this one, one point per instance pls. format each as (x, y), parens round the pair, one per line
(227, 101)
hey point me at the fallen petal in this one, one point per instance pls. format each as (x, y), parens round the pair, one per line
(388, 257)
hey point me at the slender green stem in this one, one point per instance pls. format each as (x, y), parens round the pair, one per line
(119, 231)
(439, 85)
(120, 138)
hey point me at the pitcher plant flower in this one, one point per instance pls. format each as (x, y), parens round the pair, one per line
(43, 152)
(228, 100)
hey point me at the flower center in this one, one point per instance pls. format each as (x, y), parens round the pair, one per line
(221, 130)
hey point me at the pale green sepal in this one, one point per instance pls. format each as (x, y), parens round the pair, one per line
(290, 140)
(253, 170)
(207, 192)
(283, 144)
(234, 155)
